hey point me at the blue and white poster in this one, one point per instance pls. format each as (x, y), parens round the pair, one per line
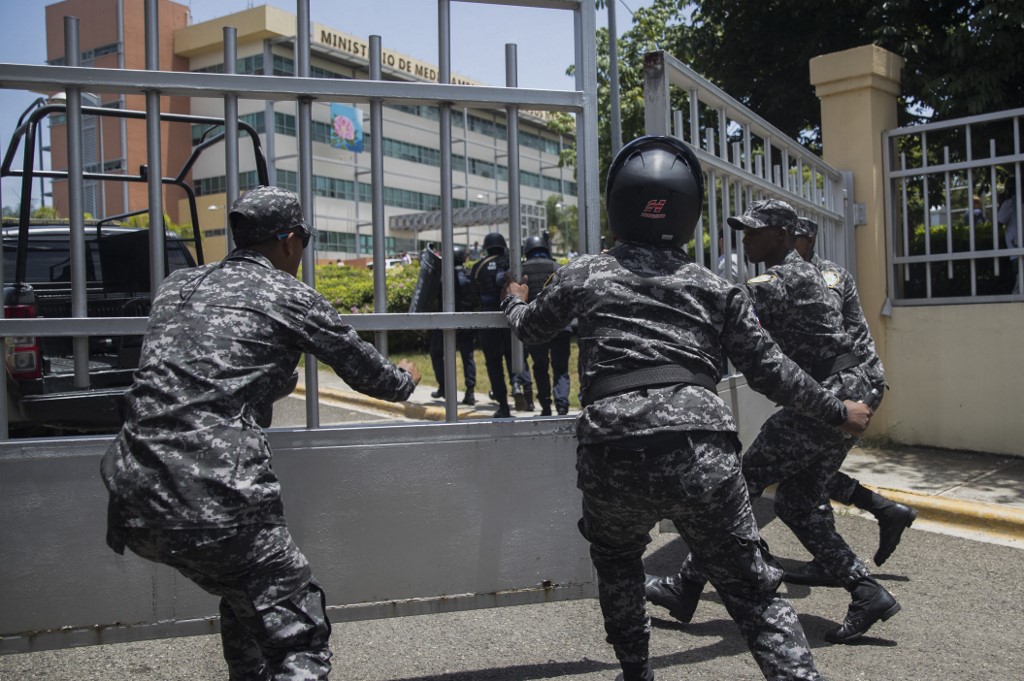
(346, 127)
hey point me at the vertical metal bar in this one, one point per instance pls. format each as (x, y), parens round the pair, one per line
(585, 26)
(304, 129)
(748, 154)
(514, 205)
(694, 118)
(1019, 214)
(380, 302)
(715, 228)
(230, 132)
(657, 104)
(949, 213)
(269, 124)
(677, 124)
(154, 153)
(79, 301)
(123, 122)
(905, 250)
(995, 205)
(613, 80)
(849, 235)
(451, 393)
(723, 136)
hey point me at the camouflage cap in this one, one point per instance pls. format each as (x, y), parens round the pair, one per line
(805, 227)
(264, 212)
(764, 214)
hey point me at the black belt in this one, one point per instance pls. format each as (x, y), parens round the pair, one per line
(822, 370)
(649, 377)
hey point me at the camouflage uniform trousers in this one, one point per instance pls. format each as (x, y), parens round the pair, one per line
(803, 456)
(694, 479)
(273, 620)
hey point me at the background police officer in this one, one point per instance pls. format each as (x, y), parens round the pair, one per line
(538, 267)
(801, 454)
(467, 299)
(190, 479)
(655, 440)
(487, 274)
(893, 518)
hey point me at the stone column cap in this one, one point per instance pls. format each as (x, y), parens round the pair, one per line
(867, 66)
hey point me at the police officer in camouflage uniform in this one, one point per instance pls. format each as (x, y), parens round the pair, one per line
(801, 454)
(538, 267)
(893, 518)
(190, 477)
(487, 274)
(655, 440)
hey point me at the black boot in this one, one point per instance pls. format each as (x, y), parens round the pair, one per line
(518, 397)
(545, 408)
(891, 523)
(528, 394)
(811, 573)
(503, 412)
(892, 517)
(470, 398)
(677, 594)
(644, 673)
(871, 602)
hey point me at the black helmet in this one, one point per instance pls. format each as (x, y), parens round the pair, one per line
(494, 243)
(459, 255)
(535, 243)
(655, 192)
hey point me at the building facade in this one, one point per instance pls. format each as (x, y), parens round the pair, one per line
(265, 45)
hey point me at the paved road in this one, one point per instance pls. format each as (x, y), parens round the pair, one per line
(962, 620)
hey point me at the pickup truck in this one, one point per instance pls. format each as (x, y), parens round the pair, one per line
(42, 396)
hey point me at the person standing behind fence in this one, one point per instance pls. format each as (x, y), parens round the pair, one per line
(537, 269)
(496, 344)
(467, 299)
(189, 474)
(893, 518)
(655, 440)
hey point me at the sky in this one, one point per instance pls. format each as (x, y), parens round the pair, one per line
(544, 40)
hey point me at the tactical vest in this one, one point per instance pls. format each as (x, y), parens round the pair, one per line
(537, 271)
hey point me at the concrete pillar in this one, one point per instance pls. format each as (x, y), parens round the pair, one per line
(858, 89)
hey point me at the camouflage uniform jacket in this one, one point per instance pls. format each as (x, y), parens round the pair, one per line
(222, 342)
(642, 307)
(843, 286)
(794, 305)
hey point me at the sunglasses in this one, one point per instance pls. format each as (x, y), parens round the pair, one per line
(306, 236)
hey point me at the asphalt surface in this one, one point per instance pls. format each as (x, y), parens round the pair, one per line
(962, 619)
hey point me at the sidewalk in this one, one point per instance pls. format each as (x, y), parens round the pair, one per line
(958, 490)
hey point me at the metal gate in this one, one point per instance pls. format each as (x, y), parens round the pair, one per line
(396, 520)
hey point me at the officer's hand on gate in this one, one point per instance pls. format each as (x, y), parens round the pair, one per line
(858, 416)
(518, 289)
(409, 366)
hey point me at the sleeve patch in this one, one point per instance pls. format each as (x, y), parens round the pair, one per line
(762, 279)
(831, 278)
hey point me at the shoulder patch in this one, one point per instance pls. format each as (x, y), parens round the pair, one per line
(762, 279)
(831, 278)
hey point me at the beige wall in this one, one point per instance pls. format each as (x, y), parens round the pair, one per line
(957, 373)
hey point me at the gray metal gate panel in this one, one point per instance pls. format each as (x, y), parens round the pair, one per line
(396, 520)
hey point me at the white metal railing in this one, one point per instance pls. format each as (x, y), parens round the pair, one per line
(945, 185)
(745, 159)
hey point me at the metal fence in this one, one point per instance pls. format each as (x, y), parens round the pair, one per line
(949, 186)
(745, 159)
